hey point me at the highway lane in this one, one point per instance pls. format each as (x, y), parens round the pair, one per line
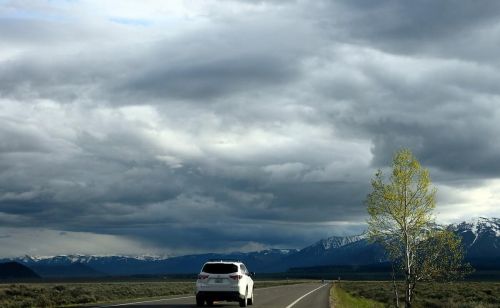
(304, 295)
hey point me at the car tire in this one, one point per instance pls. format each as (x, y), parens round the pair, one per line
(244, 301)
(210, 302)
(199, 301)
(250, 300)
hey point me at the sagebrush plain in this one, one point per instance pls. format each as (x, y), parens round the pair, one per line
(68, 294)
(454, 294)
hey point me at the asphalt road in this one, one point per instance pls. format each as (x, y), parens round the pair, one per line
(304, 295)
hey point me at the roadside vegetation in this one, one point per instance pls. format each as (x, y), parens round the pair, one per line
(432, 294)
(71, 294)
(342, 299)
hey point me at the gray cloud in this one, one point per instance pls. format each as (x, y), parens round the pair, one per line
(233, 55)
(254, 125)
(205, 81)
(419, 27)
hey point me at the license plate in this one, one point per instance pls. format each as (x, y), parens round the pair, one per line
(218, 280)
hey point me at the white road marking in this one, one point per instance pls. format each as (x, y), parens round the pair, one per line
(298, 299)
(184, 297)
(150, 301)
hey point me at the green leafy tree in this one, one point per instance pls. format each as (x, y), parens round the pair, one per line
(401, 219)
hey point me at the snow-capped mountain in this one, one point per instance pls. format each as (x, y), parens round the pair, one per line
(134, 265)
(480, 237)
(338, 241)
(84, 259)
(481, 226)
(336, 250)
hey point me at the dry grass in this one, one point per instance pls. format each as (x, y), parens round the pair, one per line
(457, 294)
(70, 294)
(341, 299)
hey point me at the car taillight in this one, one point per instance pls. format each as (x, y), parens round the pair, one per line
(235, 277)
(202, 277)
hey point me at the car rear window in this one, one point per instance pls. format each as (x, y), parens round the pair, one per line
(219, 268)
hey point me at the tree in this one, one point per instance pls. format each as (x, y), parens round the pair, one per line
(401, 219)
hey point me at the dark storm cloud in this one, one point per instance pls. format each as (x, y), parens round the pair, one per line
(198, 67)
(441, 110)
(460, 139)
(261, 127)
(420, 19)
(204, 81)
(230, 236)
(418, 26)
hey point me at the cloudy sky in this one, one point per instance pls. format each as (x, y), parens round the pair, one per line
(172, 127)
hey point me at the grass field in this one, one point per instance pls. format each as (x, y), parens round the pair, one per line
(457, 294)
(70, 294)
(342, 299)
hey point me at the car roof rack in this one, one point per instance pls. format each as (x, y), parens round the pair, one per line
(224, 260)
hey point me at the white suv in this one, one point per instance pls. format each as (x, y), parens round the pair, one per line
(224, 281)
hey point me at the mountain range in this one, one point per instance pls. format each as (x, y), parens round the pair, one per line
(480, 237)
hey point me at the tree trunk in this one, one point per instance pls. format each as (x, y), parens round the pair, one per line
(409, 294)
(396, 293)
(409, 272)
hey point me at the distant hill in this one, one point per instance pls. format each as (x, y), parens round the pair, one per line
(481, 239)
(15, 270)
(74, 270)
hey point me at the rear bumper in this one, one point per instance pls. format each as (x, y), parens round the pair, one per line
(232, 296)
